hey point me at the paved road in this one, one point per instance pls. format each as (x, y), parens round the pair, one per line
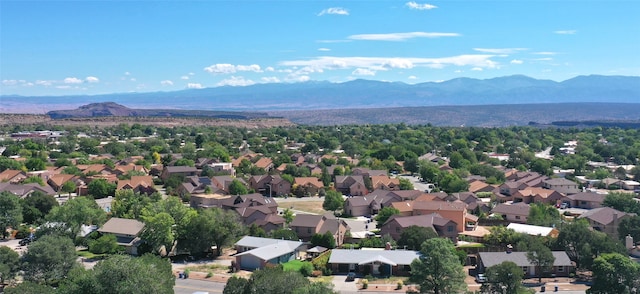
(416, 183)
(188, 286)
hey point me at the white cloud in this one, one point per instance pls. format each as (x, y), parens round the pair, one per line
(477, 69)
(184, 77)
(72, 81)
(225, 68)
(499, 50)
(324, 49)
(194, 86)
(235, 81)
(270, 80)
(44, 83)
(516, 61)
(545, 53)
(363, 72)
(334, 10)
(133, 79)
(63, 87)
(566, 32)
(544, 59)
(412, 78)
(91, 79)
(386, 63)
(9, 82)
(269, 69)
(166, 83)
(126, 73)
(293, 78)
(333, 41)
(418, 6)
(400, 36)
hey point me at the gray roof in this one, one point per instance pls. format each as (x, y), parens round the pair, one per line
(393, 257)
(122, 226)
(603, 215)
(272, 249)
(560, 182)
(588, 196)
(520, 208)
(520, 258)
(255, 242)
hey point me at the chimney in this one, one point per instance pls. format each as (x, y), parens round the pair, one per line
(387, 246)
(628, 242)
(509, 248)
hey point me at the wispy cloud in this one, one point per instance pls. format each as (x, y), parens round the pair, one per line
(477, 69)
(324, 49)
(270, 80)
(225, 68)
(565, 32)
(184, 77)
(412, 77)
(91, 79)
(418, 6)
(545, 53)
(334, 11)
(363, 72)
(235, 81)
(194, 86)
(400, 36)
(166, 83)
(387, 63)
(333, 41)
(499, 50)
(72, 80)
(516, 61)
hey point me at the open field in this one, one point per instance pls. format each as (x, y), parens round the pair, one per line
(311, 205)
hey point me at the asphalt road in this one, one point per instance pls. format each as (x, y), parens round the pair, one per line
(188, 286)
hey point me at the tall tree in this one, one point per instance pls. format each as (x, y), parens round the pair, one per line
(503, 278)
(11, 215)
(623, 202)
(159, 231)
(333, 201)
(76, 212)
(583, 245)
(541, 257)
(541, 214)
(49, 260)
(405, 184)
(413, 237)
(630, 226)
(212, 227)
(615, 273)
(9, 264)
(237, 188)
(69, 187)
(385, 213)
(100, 188)
(438, 270)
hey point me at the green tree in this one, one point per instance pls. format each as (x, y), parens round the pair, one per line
(283, 234)
(100, 188)
(49, 260)
(438, 270)
(503, 278)
(333, 201)
(158, 231)
(236, 285)
(104, 244)
(541, 214)
(541, 257)
(123, 274)
(212, 227)
(28, 287)
(288, 216)
(405, 184)
(325, 240)
(9, 264)
(622, 201)
(385, 213)
(69, 187)
(76, 212)
(11, 209)
(36, 206)
(34, 179)
(413, 237)
(34, 164)
(615, 273)
(629, 226)
(275, 280)
(237, 188)
(129, 204)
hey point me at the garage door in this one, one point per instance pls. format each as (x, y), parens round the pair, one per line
(249, 262)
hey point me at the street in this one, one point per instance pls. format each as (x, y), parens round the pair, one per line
(188, 286)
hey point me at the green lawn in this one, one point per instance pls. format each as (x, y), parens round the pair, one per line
(88, 255)
(293, 265)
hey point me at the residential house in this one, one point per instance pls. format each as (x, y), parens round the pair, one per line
(534, 230)
(310, 185)
(25, 190)
(365, 172)
(223, 182)
(562, 265)
(385, 183)
(455, 211)
(12, 176)
(307, 225)
(140, 184)
(374, 262)
(585, 200)
(351, 185)
(630, 185)
(480, 186)
(396, 224)
(537, 195)
(271, 185)
(367, 205)
(432, 157)
(126, 232)
(124, 169)
(264, 163)
(223, 168)
(562, 185)
(517, 212)
(56, 181)
(184, 171)
(255, 252)
(605, 219)
(261, 215)
(197, 185)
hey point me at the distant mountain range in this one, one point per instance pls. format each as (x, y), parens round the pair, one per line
(515, 89)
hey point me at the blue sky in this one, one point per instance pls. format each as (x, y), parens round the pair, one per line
(95, 47)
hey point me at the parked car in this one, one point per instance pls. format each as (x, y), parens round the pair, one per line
(351, 276)
(481, 278)
(26, 241)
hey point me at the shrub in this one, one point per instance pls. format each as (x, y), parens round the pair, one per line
(306, 269)
(365, 283)
(209, 275)
(399, 285)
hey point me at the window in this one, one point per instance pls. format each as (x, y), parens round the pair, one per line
(517, 217)
(560, 268)
(397, 229)
(450, 229)
(309, 230)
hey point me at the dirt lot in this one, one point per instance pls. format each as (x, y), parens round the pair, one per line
(312, 205)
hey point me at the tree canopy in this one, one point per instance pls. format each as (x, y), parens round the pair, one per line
(49, 260)
(615, 273)
(413, 237)
(333, 201)
(438, 270)
(11, 215)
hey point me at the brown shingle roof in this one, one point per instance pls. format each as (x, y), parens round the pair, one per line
(603, 215)
(122, 226)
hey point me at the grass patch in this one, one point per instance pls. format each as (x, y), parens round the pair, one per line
(88, 255)
(391, 280)
(474, 245)
(294, 265)
(313, 206)
(323, 279)
(205, 268)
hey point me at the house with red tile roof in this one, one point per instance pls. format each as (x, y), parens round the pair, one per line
(12, 176)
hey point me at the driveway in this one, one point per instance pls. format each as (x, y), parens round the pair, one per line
(342, 286)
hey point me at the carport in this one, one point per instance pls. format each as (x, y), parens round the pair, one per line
(379, 265)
